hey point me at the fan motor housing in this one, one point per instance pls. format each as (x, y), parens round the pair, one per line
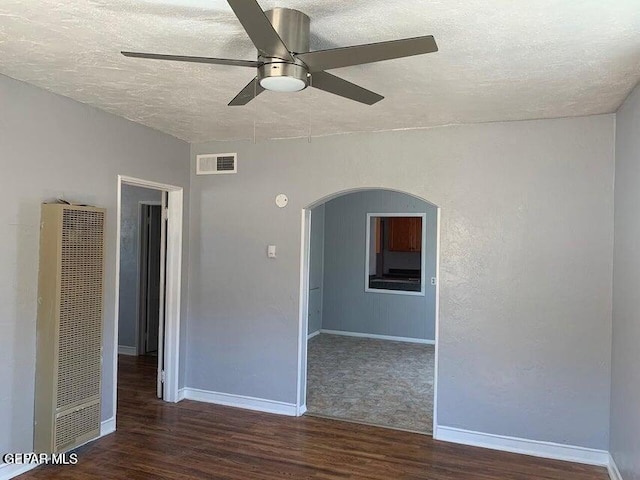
(293, 28)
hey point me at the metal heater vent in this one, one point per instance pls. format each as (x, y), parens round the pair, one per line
(69, 328)
(80, 338)
(75, 425)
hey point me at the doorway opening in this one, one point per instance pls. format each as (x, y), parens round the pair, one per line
(369, 309)
(151, 285)
(149, 278)
(148, 273)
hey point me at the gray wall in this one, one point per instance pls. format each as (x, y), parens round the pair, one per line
(346, 305)
(625, 381)
(316, 269)
(51, 146)
(526, 266)
(129, 264)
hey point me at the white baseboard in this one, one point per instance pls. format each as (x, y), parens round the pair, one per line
(379, 337)
(241, 401)
(181, 394)
(126, 350)
(614, 473)
(523, 446)
(302, 410)
(314, 334)
(108, 426)
(8, 471)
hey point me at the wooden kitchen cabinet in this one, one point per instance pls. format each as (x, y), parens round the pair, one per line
(405, 234)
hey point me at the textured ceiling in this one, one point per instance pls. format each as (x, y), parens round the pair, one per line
(498, 60)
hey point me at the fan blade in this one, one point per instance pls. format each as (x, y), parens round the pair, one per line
(368, 53)
(259, 29)
(332, 84)
(182, 58)
(248, 93)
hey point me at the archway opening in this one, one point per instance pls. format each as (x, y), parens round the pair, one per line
(369, 309)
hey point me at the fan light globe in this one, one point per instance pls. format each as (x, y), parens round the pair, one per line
(282, 84)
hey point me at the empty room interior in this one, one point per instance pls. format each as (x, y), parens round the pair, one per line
(320, 239)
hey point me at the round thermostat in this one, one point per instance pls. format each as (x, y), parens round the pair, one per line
(282, 200)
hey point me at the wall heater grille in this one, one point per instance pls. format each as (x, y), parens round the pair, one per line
(75, 423)
(70, 286)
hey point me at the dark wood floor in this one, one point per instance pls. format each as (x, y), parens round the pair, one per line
(192, 440)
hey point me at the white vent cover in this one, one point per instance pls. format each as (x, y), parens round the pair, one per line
(216, 163)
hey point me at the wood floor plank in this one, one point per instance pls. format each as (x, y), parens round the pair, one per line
(192, 440)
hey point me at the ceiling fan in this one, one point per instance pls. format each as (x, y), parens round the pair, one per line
(285, 64)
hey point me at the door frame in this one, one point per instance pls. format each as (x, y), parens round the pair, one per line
(173, 277)
(303, 314)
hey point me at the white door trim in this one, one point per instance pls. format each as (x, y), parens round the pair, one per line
(303, 328)
(173, 284)
(437, 336)
(305, 247)
(163, 288)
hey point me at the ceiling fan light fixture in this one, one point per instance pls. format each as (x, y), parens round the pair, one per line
(285, 63)
(283, 77)
(283, 84)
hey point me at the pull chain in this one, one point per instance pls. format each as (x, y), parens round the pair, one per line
(311, 85)
(255, 107)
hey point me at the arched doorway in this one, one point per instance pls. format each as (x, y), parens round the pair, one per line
(366, 218)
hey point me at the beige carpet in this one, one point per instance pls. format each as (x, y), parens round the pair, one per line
(378, 382)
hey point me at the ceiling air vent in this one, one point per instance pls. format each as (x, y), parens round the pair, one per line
(216, 163)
